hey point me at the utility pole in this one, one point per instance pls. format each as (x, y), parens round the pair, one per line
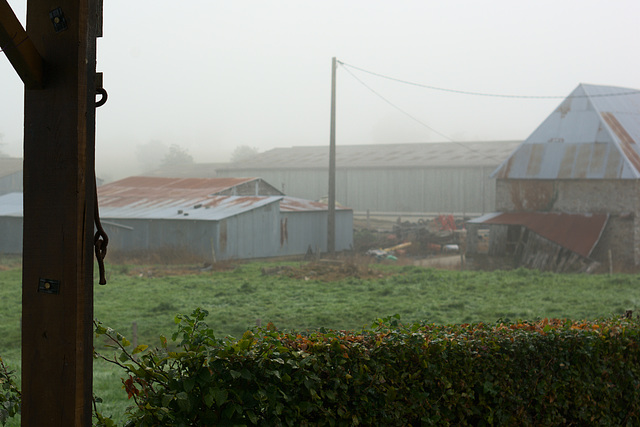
(331, 226)
(59, 201)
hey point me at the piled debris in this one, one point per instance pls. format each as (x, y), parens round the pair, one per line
(425, 237)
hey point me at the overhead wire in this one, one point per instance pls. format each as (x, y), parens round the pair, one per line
(494, 95)
(481, 153)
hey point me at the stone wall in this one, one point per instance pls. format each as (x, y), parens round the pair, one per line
(618, 198)
(574, 196)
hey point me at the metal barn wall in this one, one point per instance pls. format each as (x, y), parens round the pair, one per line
(11, 183)
(252, 234)
(145, 234)
(309, 229)
(418, 190)
(11, 235)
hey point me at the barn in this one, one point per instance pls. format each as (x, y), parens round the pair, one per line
(211, 218)
(216, 218)
(568, 198)
(398, 179)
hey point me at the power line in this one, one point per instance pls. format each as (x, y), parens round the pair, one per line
(418, 120)
(494, 95)
(398, 108)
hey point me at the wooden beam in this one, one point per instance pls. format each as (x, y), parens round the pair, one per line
(57, 277)
(19, 49)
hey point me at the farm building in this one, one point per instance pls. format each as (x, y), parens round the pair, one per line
(398, 179)
(10, 175)
(222, 218)
(11, 223)
(570, 194)
(225, 218)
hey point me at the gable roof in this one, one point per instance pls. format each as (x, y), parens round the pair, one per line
(432, 154)
(145, 187)
(192, 198)
(593, 134)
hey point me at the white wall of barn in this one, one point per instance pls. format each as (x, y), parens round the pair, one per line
(410, 190)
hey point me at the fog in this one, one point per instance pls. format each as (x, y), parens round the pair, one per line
(212, 76)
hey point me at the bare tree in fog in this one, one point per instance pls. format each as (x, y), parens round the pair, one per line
(151, 155)
(177, 155)
(243, 152)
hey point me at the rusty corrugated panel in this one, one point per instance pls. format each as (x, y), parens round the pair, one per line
(614, 164)
(535, 159)
(627, 143)
(582, 160)
(596, 166)
(576, 232)
(593, 134)
(566, 164)
(294, 204)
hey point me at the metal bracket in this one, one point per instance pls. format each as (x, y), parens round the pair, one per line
(58, 20)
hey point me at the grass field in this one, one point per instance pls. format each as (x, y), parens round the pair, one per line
(302, 296)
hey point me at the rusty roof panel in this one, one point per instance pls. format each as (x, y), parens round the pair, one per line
(187, 198)
(577, 232)
(569, 143)
(566, 161)
(535, 160)
(294, 204)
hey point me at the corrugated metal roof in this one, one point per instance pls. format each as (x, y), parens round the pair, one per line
(442, 154)
(294, 204)
(594, 134)
(11, 204)
(150, 188)
(577, 232)
(187, 198)
(213, 208)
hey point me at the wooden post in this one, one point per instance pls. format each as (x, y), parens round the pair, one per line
(57, 278)
(19, 48)
(331, 226)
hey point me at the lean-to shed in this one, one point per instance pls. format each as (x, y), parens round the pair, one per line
(418, 178)
(580, 166)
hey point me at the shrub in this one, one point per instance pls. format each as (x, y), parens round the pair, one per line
(547, 372)
(9, 394)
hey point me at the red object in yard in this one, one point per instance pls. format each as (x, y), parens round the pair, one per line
(447, 222)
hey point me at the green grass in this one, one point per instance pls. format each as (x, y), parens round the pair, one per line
(238, 299)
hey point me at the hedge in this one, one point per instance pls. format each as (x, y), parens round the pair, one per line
(544, 372)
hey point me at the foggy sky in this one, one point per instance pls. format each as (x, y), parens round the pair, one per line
(213, 75)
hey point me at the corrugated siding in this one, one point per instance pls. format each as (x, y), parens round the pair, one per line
(11, 183)
(309, 229)
(435, 190)
(593, 134)
(11, 235)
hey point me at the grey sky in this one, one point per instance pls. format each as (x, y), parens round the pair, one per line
(213, 75)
